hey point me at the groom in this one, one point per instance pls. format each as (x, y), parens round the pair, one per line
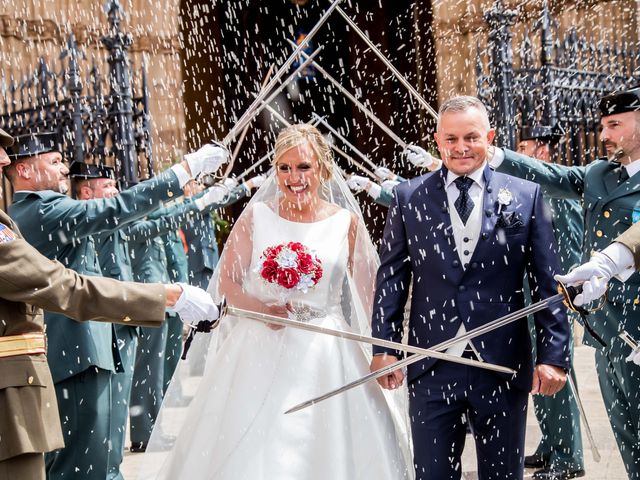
(463, 238)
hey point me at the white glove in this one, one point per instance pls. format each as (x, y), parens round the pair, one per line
(384, 173)
(388, 185)
(418, 156)
(634, 356)
(215, 194)
(593, 275)
(206, 159)
(358, 183)
(195, 305)
(255, 182)
(230, 183)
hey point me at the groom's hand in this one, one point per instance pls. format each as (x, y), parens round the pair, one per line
(392, 380)
(548, 379)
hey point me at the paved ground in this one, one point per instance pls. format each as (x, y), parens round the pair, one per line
(610, 466)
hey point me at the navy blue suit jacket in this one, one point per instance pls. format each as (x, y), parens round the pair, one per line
(418, 249)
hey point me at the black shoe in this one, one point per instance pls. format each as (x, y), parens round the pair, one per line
(138, 447)
(536, 461)
(553, 473)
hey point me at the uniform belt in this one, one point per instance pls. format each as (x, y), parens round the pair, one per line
(24, 344)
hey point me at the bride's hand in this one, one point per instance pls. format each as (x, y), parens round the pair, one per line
(277, 311)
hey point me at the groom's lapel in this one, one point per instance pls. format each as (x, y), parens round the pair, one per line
(440, 212)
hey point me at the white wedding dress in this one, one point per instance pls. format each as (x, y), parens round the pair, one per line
(236, 428)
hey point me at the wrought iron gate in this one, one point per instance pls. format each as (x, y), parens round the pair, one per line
(556, 79)
(97, 120)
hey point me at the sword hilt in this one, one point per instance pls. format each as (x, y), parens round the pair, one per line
(571, 292)
(204, 326)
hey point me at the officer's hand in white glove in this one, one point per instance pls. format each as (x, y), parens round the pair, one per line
(358, 183)
(384, 173)
(230, 183)
(255, 182)
(212, 195)
(207, 159)
(418, 156)
(195, 305)
(593, 276)
(388, 185)
(634, 356)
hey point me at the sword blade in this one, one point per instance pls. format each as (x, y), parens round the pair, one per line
(281, 71)
(583, 416)
(309, 327)
(475, 332)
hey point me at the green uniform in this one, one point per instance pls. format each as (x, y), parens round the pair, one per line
(80, 355)
(149, 265)
(608, 209)
(558, 415)
(113, 256)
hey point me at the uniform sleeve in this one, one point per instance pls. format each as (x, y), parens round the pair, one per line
(74, 219)
(631, 239)
(28, 277)
(556, 181)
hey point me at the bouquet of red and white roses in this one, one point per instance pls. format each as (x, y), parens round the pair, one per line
(290, 266)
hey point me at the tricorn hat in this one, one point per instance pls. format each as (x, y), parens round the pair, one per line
(33, 144)
(620, 102)
(543, 133)
(86, 171)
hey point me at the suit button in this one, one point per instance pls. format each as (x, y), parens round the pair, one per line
(169, 194)
(466, 265)
(636, 301)
(455, 264)
(485, 236)
(488, 213)
(126, 319)
(462, 288)
(606, 214)
(474, 265)
(599, 233)
(30, 380)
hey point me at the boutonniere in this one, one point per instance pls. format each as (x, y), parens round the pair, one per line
(504, 198)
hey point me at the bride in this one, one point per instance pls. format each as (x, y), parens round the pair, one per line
(235, 427)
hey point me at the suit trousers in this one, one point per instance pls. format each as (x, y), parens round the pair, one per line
(148, 379)
(439, 402)
(120, 397)
(84, 402)
(26, 466)
(620, 387)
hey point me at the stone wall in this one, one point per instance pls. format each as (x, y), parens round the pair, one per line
(32, 29)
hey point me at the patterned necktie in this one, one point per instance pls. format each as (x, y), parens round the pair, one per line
(464, 205)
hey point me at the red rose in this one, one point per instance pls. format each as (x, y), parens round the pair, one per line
(288, 277)
(269, 270)
(296, 247)
(305, 263)
(317, 273)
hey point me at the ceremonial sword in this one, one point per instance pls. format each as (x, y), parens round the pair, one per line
(566, 295)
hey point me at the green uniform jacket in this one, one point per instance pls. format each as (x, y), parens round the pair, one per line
(60, 228)
(608, 211)
(631, 238)
(29, 282)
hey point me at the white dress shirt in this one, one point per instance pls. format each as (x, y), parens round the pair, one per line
(465, 236)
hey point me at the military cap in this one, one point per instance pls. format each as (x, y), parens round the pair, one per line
(6, 140)
(620, 102)
(86, 171)
(32, 144)
(543, 133)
